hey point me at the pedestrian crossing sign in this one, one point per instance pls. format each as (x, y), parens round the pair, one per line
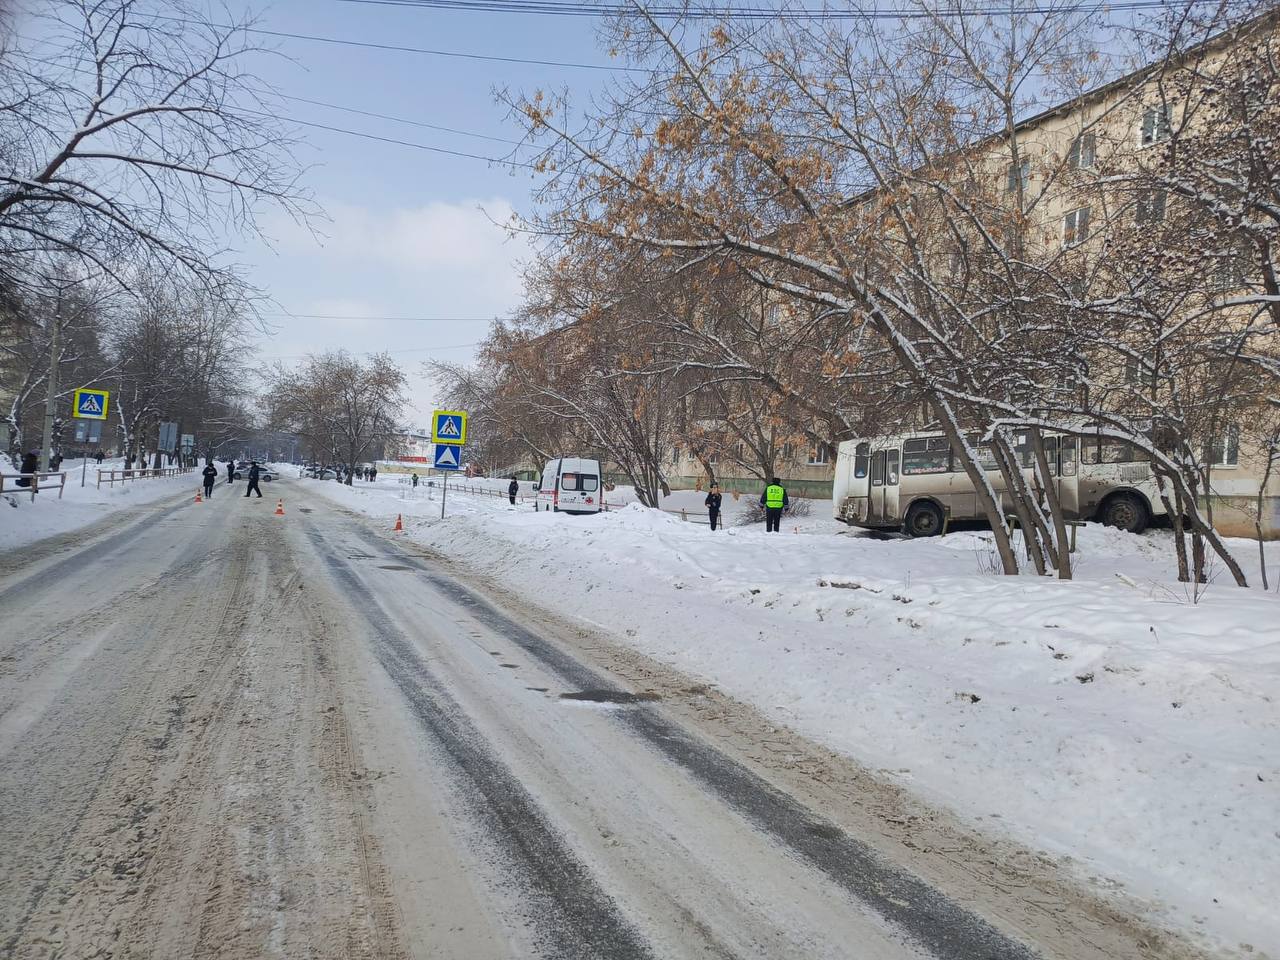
(90, 404)
(449, 427)
(447, 457)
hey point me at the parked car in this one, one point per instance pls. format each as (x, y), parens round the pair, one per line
(265, 474)
(570, 485)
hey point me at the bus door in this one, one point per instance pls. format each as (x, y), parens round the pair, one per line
(892, 475)
(1068, 475)
(875, 506)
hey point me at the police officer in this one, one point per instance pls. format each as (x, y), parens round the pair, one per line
(231, 471)
(512, 489)
(210, 474)
(253, 480)
(713, 501)
(774, 500)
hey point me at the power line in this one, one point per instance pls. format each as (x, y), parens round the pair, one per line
(447, 346)
(364, 316)
(387, 116)
(422, 51)
(576, 8)
(392, 140)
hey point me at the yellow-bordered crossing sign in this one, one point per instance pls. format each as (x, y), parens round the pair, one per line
(449, 427)
(90, 404)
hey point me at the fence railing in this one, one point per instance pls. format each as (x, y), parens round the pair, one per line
(36, 483)
(690, 516)
(112, 477)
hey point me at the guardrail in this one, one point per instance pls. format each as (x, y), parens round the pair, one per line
(113, 477)
(34, 486)
(690, 516)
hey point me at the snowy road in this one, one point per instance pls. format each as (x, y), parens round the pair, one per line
(229, 734)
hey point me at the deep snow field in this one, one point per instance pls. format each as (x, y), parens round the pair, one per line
(23, 521)
(1110, 721)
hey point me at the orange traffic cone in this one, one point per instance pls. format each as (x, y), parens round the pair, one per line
(399, 527)
(280, 507)
(199, 499)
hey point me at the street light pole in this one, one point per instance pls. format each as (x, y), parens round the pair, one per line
(50, 403)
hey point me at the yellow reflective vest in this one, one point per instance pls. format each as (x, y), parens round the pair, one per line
(773, 495)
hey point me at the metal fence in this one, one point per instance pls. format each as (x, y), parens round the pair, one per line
(37, 483)
(112, 477)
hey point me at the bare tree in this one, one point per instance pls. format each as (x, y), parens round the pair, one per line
(341, 406)
(132, 133)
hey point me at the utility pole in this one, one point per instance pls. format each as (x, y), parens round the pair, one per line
(50, 405)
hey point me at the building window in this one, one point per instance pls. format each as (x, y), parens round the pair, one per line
(773, 315)
(1155, 125)
(788, 452)
(1075, 227)
(676, 455)
(1224, 451)
(1084, 152)
(819, 455)
(1150, 207)
(1018, 175)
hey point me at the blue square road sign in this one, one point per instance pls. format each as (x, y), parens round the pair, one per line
(90, 404)
(449, 426)
(448, 457)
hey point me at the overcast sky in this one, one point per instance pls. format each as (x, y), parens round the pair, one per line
(411, 232)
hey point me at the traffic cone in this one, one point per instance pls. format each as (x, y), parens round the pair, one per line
(280, 507)
(199, 499)
(399, 527)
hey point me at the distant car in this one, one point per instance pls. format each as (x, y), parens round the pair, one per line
(265, 474)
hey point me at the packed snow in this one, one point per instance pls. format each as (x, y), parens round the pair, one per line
(1109, 721)
(25, 520)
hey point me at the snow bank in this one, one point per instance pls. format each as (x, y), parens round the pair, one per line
(23, 522)
(1109, 721)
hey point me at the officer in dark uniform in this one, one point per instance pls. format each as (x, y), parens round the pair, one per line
(253, 481)
(210, 474)
(713, 501)
(774, 500)
(512, 489)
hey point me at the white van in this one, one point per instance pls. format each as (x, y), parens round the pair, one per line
(570, 485)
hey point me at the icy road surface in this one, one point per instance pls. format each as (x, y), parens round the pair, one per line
(225, 733)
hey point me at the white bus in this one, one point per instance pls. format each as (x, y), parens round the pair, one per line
(912, 482)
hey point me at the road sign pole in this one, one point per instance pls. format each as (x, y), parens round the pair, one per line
(84, 469)
(444, 492)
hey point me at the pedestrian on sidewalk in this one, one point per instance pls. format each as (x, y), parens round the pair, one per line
(99, 456)
(231, 471)
(373, 474)
(415, 481)
(253, 480)
(30, 462)
(512, 489)
(774, 500)
(713, 501)
(210, 474)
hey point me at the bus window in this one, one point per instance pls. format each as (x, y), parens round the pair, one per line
(925, 456)
(891, 468)
(1022, 449)
(986, 459)
(877, 469)
(1117, 451)
(1067, 456)
(1051, 454)
(861, 454)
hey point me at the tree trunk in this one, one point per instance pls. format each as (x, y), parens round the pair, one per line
(1009, 469)
(1047, 476)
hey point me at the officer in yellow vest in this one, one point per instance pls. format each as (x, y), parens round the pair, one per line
(774, 500)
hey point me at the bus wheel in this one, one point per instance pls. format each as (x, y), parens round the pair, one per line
(1124, 512)
(924, 520)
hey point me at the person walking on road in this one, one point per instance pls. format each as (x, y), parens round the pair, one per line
(99, 456)
(231, 471)
(774, 500)
(373, 474)
(210, 474)
(512, 489)
(253, 481)
(713, 502)
(415, 481)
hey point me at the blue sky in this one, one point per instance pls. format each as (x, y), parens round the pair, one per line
(409, 233)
